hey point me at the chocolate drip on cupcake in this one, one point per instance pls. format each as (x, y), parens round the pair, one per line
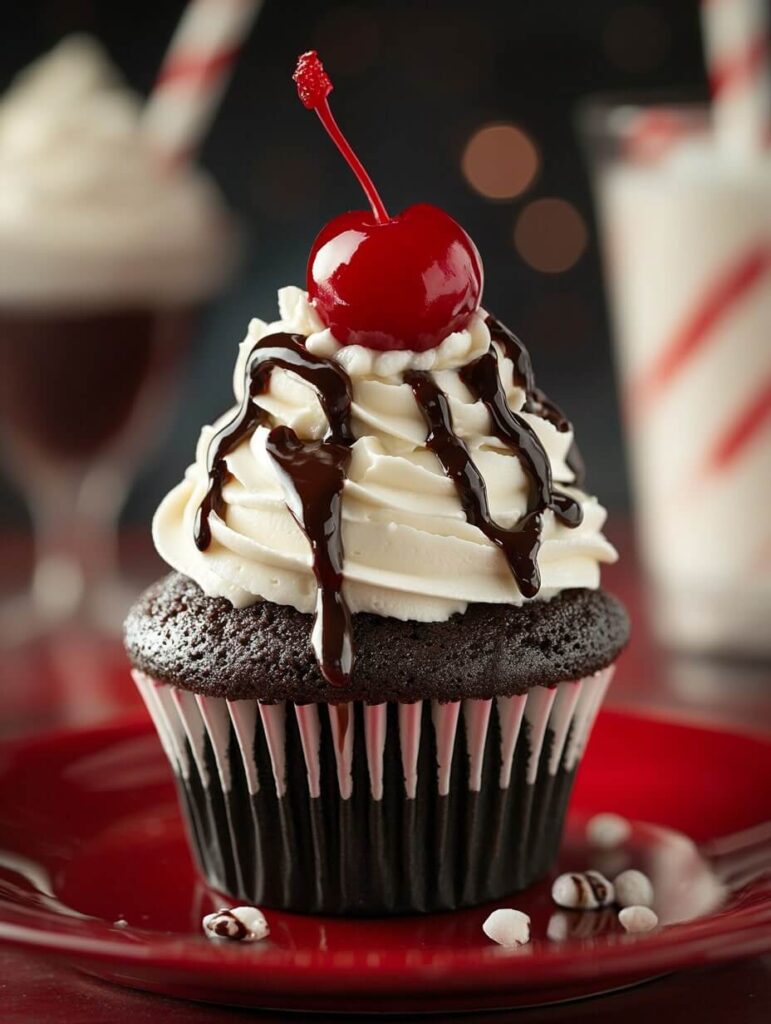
(519, 543)
(483, 379)
(536, 401)
(312, 474)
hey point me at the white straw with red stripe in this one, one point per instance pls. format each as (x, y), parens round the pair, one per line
(194, 74)
(736, 43)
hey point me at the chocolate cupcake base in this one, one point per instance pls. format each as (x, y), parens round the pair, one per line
(367, 809)
(177, 633)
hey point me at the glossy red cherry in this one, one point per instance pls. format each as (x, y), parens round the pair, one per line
(402, 282)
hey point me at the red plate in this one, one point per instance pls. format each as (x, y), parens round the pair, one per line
(94, 867)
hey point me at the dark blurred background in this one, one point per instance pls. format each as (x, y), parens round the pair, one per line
(418, 86)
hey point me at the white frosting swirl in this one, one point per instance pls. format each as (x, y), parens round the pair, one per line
(87, 213)
(409, 551)
(457, 349)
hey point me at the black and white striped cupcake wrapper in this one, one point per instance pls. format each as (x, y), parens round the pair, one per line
(375, 809)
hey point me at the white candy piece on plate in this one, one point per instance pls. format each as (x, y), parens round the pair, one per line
(633, 889)
(582, 890)
(507, 927)
(607, 831)
(636, 920)
(240, 924)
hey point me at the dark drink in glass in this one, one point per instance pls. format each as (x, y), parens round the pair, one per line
(106, 256)
(70, 383)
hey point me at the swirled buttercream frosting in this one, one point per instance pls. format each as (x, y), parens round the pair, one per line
(403, 484)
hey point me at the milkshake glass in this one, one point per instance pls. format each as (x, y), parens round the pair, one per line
(687, 237)
(105, 258)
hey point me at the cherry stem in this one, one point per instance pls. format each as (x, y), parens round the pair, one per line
(313, 87)
(333, 130)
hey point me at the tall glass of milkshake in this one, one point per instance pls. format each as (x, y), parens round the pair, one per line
(686, 225)
(106, 256)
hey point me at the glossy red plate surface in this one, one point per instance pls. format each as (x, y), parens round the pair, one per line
(90, 836)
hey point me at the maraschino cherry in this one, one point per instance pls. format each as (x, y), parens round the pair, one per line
(402, 282)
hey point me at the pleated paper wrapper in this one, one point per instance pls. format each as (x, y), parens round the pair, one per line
(368, 809)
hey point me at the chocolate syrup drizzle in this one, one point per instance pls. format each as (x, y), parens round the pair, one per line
(520, 543)
(536, 401)
(313, 473)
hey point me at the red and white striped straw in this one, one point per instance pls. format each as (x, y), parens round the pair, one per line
(195, 73)
(736, 43)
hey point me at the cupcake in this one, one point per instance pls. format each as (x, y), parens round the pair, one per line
(377, 663)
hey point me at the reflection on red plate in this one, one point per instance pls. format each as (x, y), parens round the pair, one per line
(94, 866)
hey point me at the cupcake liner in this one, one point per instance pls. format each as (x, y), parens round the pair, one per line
(375, 809)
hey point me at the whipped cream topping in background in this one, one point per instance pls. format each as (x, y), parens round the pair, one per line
(88, 216)
(409, 551)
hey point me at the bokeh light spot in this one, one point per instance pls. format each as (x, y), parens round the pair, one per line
(550, 235)
(500, 161)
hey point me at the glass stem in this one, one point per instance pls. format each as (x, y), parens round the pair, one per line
(74, 515)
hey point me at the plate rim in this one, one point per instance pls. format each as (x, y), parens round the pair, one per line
(745, 931)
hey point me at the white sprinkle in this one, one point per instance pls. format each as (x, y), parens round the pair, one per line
(582, 890)
(637, 919)
(507, 927)
(120, 923)
(633, 889)
(606, 831)
(242, 924)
